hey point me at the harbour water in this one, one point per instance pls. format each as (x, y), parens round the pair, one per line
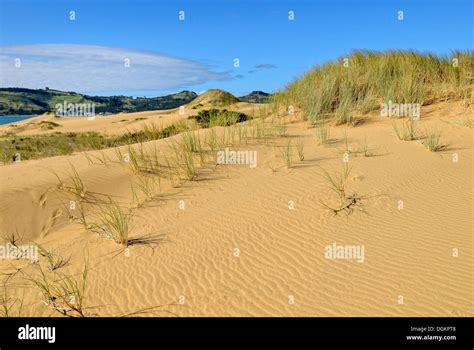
(13, 118)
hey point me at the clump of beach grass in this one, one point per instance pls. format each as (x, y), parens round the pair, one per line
(466, 122)
(114, 222)
(358, 82)
(77, 187)
(8, 304)
(148, 185)
(279, 126)
(242, 132)
(346, 150)
(260, 129)
(337, 182)
(191, 141)
(364, 148)
(55, 261)
(321, 134)
(211, 140)
(139, 159)
(433, 141)
(49, 125)
(407, 131)
(184, 160)
(218, 117)
(263, 112)
(287, 154)
(300, 148)
(63, 293)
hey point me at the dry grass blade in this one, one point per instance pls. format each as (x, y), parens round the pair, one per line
(65, 294)
(8, 304)
(300, 149)
(148, 239)
(337, 181)
(55, 261)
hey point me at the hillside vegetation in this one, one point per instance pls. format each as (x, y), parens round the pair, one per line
(19, 101)
(360, 82)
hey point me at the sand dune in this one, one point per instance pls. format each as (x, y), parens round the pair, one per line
(238, 249)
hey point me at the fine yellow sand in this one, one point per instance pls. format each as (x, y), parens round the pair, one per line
(237, 249)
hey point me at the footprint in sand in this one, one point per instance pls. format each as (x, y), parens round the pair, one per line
(42, 199)
(358, 178)
(50, 223)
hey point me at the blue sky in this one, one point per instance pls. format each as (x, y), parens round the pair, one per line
(167, 55)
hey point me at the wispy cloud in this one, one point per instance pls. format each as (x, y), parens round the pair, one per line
(265, 66)
(88, 68)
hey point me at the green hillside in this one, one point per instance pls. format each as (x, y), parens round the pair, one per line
(19, 101)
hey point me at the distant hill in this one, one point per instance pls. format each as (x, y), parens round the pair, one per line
(19, 101)
(214, 98)
(255, 97)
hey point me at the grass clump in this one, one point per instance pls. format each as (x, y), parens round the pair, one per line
(407, 131)
(212, 141)
(49, 125)
(364, 148)
(63, 293)
(41, 146)
(184, 159)
(336, 90)
(114, 222)
(148, 185)
(337, 183)
(433, 141)
(279, 126)
(322, 134)
(218, 117)
(77, 187)
(300, 148)
(8, 304)
(287, 154)
(57, 144)
(54, 261)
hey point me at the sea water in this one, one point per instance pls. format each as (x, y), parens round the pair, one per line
(5, 119)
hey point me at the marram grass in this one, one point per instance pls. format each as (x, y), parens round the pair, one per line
(339, 91)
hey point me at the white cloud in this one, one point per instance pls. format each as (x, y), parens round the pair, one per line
(88, 69)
